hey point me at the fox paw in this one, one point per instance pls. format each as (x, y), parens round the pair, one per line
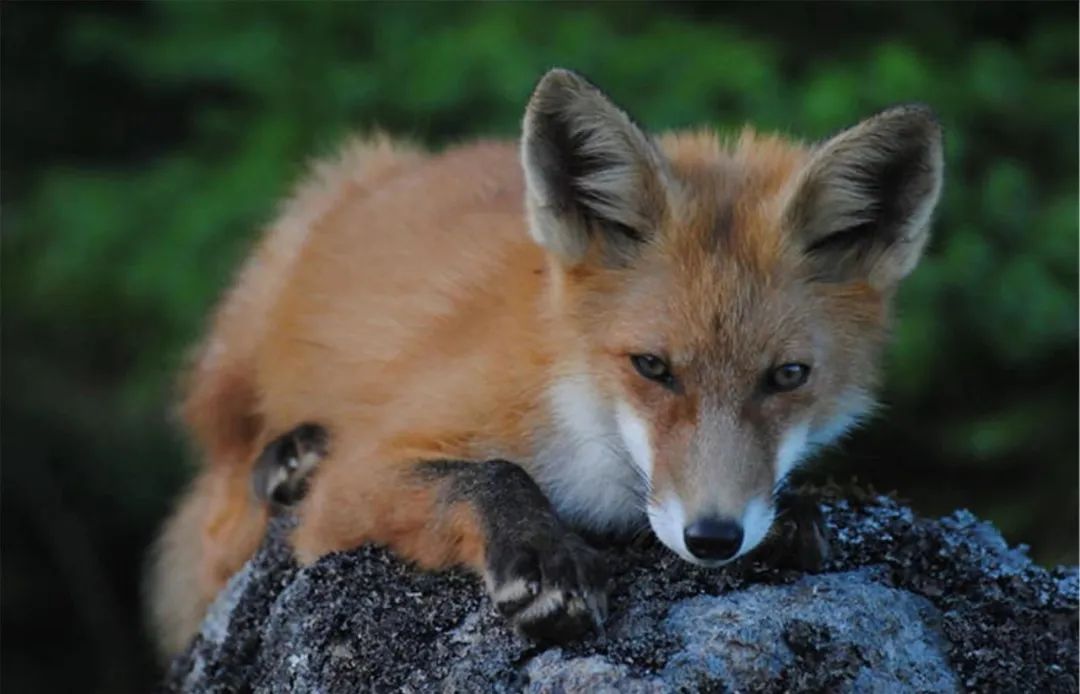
(550, 590)
(800, 540)
(281, 473)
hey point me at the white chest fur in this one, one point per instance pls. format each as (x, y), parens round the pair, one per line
(582, 463)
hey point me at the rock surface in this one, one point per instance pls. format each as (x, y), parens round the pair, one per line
(904, 604)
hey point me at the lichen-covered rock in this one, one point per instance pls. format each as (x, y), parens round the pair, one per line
(905, 604)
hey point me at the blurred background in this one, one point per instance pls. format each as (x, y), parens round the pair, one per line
(144, 145)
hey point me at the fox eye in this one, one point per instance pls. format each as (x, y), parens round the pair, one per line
(787, 377)
(653, 368)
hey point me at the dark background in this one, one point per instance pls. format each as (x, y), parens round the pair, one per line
(143, 146)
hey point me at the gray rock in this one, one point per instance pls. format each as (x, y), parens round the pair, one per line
(904, 604)
(835, 617)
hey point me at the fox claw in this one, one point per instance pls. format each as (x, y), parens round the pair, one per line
(281, 473)
(551, 591)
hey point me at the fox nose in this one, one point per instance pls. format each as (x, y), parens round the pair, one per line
(713, 538)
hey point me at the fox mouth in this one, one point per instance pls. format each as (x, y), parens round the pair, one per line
(706, 563)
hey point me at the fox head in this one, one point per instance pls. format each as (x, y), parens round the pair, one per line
(728, 302)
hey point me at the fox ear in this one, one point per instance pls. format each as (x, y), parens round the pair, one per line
(590, 171)
(862, 206)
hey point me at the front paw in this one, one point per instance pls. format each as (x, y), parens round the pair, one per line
(800, 540)
(551, 589)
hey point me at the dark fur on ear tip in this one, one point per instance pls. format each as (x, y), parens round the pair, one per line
(920, 109)
(909, 112)
(561, 76)
(916, 114)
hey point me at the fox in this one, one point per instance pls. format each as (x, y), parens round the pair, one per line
(479, 357)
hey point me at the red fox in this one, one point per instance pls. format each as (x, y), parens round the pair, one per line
(500, 346)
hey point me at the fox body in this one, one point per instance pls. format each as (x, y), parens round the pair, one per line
(593, 329)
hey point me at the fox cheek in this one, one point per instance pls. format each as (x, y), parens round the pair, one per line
(792, 449)
(635, 435)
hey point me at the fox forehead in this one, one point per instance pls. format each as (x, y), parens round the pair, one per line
(720, 267)
(726, 204)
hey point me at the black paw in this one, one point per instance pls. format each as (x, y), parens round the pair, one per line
(799, 540)
(282, 470)
(552, 589)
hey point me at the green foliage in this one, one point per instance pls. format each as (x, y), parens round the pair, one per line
(291, 81)
(143, 155)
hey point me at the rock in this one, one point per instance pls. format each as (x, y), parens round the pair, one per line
(903, 604)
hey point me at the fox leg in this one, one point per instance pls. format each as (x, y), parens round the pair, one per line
(489, 516)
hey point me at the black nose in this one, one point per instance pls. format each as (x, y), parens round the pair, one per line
(713, 538)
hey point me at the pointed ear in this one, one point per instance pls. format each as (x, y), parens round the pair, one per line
(861, 208)
(591, 174)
